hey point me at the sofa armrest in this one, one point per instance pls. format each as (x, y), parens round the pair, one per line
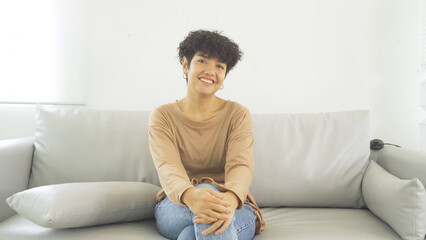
(15, 166)
(403, 163)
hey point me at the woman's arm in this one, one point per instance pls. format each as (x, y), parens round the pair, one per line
(239, 166)
(238, 169)
(165, 153)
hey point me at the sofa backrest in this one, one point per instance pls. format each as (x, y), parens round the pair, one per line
(310, 160)
(75, 145)
(314, 160)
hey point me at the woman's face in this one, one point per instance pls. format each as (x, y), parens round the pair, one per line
(205, 74)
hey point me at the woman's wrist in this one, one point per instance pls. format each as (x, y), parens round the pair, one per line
(232, 198)
(186, 195)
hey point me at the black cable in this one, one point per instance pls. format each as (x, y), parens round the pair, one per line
(377, 144)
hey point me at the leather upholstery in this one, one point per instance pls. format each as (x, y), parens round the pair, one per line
(282, 224)
(15, 165)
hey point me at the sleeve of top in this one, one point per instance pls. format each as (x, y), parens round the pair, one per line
(239, 165)
(165, 153)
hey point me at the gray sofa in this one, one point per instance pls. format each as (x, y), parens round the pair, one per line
(309, 171)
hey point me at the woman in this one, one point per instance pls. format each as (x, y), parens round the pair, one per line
(202, 147)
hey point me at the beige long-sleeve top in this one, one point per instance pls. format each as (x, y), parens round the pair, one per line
(217, 151)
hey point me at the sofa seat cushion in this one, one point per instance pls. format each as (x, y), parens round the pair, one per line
(20, 228)
(324, 223)
(282, 224)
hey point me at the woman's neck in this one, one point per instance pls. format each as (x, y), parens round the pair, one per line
(200, 109)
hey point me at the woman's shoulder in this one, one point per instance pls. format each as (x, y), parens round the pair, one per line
(164, 107)
(239, 115)
(238, 108)
(163, 111)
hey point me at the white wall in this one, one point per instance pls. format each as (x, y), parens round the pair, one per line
(299, 56)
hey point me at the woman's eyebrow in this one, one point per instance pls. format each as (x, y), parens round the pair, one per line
(202, 55)
(208, 57)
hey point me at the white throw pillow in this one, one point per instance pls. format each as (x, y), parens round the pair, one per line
(399, 203)
(310, 160)
(73, 205)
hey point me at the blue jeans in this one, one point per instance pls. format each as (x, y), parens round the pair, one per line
(176, 222)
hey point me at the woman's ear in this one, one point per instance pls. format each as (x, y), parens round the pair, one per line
(185, 65)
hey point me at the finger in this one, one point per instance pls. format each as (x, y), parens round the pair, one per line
(214, 214)
(225, 225)
(211, 196)
(215, 199)
(204, 219)
(218, 196)
(219, 208)
(213, 227)
(215, 193)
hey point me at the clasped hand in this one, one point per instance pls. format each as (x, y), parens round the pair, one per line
(210, 206)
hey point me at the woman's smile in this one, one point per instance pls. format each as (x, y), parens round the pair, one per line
(206, 81)
(205, 75)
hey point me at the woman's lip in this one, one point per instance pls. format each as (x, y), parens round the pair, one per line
(206, 82)
(207, 79)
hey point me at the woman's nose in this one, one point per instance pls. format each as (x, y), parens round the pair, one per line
(209, 69)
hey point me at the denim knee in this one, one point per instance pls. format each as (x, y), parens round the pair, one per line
(171, 219)
(187, 233)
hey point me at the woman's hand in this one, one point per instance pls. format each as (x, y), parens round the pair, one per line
(207, 204)
(222, 223)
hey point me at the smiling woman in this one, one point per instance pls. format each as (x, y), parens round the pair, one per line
(208, 71)
(202, 147)
(210, 45)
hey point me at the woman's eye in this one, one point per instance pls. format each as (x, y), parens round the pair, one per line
(201, 61)
(220, 66)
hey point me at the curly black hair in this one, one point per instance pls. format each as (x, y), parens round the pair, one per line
(211, 43)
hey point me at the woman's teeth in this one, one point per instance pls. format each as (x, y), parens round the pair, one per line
(206, 80)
